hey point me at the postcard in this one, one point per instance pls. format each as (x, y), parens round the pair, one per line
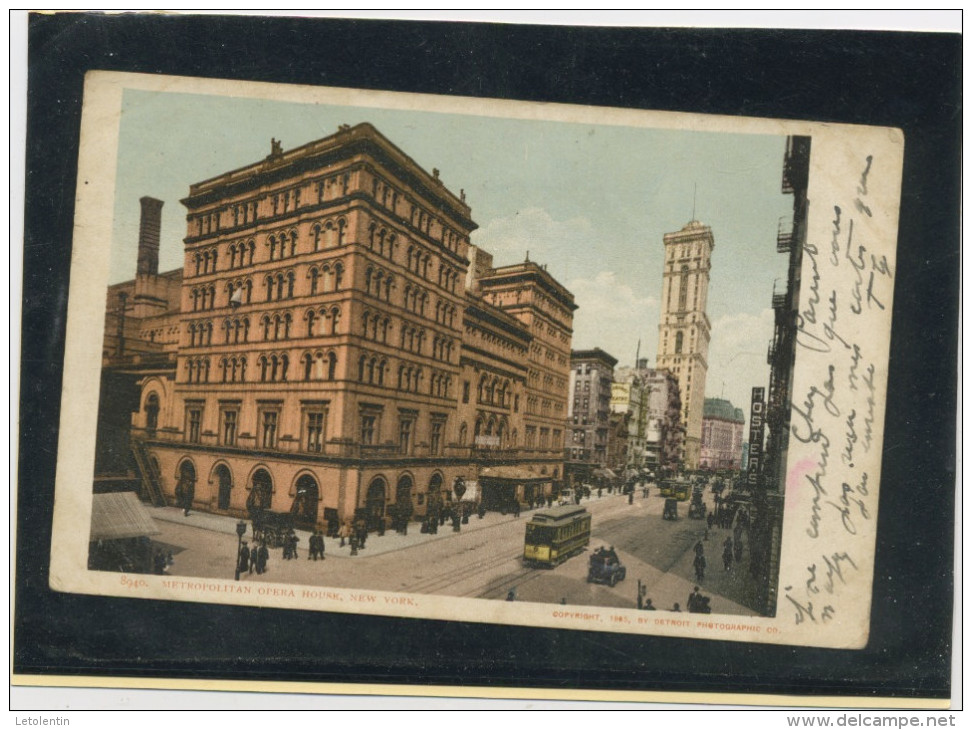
(476, 360)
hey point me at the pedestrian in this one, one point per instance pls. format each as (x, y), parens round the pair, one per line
(263, 557)
(254, 558)
(511, 596)
(709, 519)
(354, 543)
(699, 548)
(737, 548)
(189, 494)
(676, 608)
(345, 532)
(648, 605)
(312, 546)
(727, 554)
(320, 545)
(516, 508)
(699, 564)
(693, 600)
(243, 560)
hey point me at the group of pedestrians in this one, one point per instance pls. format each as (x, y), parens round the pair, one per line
(315, 546)
(254, 559)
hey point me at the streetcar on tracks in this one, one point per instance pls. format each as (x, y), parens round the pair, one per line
(675, 489)
(554, 535)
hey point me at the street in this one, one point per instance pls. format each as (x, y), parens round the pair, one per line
(484, 559)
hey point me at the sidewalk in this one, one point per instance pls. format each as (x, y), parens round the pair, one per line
(376, 544)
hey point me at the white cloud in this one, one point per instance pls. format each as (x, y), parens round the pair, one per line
(737, 357)
(613, 316)
(533, 230)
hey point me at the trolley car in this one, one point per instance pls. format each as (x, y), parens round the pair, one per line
(675, 488)
(556, 534)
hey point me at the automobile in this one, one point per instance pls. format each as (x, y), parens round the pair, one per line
(671, 509)
(605, 567)
(566, 497)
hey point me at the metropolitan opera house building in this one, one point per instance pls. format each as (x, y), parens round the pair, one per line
(333, 347)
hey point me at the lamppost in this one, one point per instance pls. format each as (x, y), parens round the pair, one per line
(459, 489)
(240, 531)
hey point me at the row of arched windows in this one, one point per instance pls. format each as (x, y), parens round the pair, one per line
(200, 334)
(283, 244)
(440, 384)
(273, 367)
(323, 321)
(381, 241)
(372, 369)
(279, 245)
(318, 366)
(326, 278)
(415, 299)
(241, 253)
(412, 338)
(494, 391)
(236, 330)
(379, 283)
(233, 369)
(375, 327)
(410, 378)
(418, 261)
(442, 348)
(280, 285)
(197, 370)
(448, 277)
(203, 298)
(206, 261)
(276, 326)
(445, 313)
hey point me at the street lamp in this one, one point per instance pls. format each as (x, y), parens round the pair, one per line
(240, 532)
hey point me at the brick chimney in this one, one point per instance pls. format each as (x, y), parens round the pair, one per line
(149, 228)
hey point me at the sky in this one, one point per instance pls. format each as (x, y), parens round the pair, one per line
(592, 202)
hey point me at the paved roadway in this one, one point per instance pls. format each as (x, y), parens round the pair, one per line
(483, 560)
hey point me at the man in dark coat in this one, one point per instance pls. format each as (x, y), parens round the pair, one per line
(244, 558)
(263, 557)
(188, 495)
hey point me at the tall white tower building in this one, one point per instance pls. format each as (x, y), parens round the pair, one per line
(684, 330)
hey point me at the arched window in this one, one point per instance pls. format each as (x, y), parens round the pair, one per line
(331, 365)
(683, 288)
(678, 342)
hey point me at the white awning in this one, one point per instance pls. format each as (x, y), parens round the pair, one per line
(120, 515)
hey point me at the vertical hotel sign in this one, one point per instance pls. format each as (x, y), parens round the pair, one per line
(756, 428)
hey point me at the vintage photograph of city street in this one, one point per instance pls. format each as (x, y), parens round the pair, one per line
(364, 348)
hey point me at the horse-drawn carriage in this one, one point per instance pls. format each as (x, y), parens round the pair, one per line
(697, 507)
(272, 527)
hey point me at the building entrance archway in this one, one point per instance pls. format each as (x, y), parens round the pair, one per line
(151, 414)
(225, 481)
(375, 503)
(304, 508)
(261, 492)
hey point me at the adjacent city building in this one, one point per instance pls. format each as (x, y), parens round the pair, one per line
(334, 347)
(722, 436)
(655, 431)
(588, 415)
(684, 330)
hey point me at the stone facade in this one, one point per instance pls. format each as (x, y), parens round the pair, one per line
(326, 349)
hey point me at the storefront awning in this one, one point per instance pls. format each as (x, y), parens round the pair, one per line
(118, 516)
(605, 473)
(513, 474)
